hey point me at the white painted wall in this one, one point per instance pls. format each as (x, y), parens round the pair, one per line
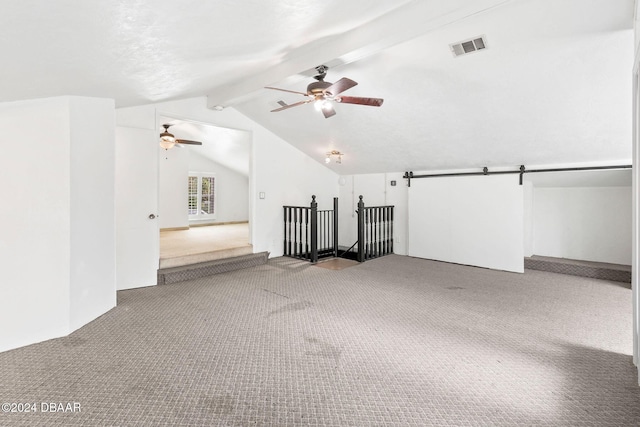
(173, 172)
(591, 224)
(92, 206)
(34, 245)
(376, 190)
(285, 174)
(528, 227)
(231, 192)
(472, 220)
(635, 185)
(50, 256)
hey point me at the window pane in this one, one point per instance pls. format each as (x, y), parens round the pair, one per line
(206, 206)
(193, 195)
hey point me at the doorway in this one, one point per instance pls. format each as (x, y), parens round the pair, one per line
(203, 194)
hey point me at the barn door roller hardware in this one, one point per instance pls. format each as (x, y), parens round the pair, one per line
(521, 171)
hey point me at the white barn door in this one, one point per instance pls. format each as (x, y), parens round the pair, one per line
(137, 232)
(471, 220)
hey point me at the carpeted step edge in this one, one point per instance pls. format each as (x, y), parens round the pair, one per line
(579, 270)
(196, 271)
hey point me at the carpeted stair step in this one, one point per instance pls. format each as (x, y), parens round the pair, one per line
(204, 269)
(594, 270)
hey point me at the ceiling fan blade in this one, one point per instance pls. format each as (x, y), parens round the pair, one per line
(285, 90)
(186, 141)
(374, 102)
(287, 106)
(328, 110)
(340, 86)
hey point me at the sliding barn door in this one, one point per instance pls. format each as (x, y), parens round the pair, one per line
(471, 220)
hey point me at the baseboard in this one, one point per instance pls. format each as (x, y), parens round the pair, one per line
(174, 228)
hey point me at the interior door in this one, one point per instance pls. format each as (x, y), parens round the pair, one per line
(137, 232)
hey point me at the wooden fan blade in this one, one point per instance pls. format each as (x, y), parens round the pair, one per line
(287, 106)
(186, 141)
(340, 86)
(374, 102)
(285, 90)
(328, 111)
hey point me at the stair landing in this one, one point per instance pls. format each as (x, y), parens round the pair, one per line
(209, 268)
(195, 258)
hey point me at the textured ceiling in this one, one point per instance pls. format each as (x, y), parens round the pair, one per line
(553, 86)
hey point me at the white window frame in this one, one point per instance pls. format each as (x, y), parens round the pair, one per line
(199, 215)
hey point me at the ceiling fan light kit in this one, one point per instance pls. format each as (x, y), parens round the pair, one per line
(334, 153)
(168, 140)
(324, 94)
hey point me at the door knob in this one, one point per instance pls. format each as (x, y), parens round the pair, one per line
(152, 216)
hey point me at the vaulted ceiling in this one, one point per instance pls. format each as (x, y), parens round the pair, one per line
(552, 86)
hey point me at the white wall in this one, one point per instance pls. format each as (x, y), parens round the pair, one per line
(591, 224)
(93, 253)
(286, 175)
(50, 256)
(635, 228)
(472, 220)
(231, 192)
(173, 196)
(376, 190)
(527, 188)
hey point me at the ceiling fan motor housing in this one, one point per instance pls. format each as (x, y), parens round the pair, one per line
(317, 88)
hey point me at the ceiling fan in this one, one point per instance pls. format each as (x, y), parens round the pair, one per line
(167, 140)
(323, 94)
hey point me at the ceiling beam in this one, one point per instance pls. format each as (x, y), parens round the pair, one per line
(407, 22)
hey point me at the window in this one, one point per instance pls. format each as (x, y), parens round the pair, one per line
(201, 196)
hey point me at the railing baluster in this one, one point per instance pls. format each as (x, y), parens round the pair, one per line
(376, 239)
(369, 239)
(284, 232)
(314, 229)
(383, 211)
(309, 233)
(360, 230)
(306, 232)
(335, 226)
(391, 230)
(289, 234)
(327, 231)
(386, 230)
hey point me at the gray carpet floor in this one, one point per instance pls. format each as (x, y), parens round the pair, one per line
(394, 341)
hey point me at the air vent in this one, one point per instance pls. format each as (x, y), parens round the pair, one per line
(468, 46)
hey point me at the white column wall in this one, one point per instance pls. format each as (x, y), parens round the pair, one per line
(34, 245)
(49, 256)
(93, 253)
(529, 227)
(635, 227)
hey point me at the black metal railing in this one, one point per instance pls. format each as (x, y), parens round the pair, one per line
(310, 233)
(375, 231)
